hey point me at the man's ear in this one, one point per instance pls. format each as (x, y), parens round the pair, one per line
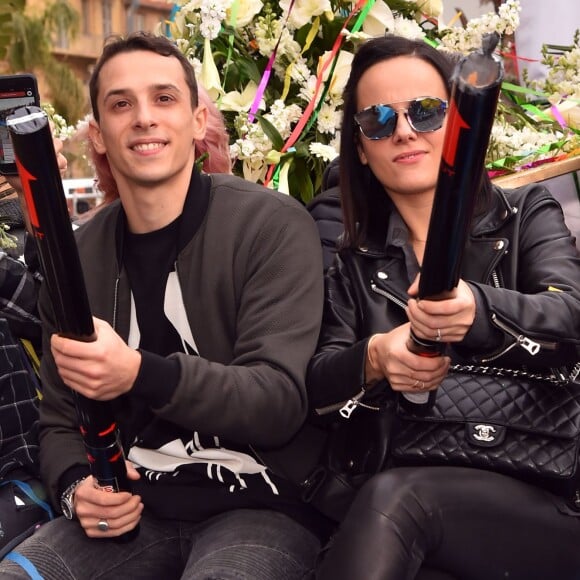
(96, 137)
(199, 122)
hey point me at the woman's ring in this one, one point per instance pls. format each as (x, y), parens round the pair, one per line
(438, 337)
(415, 383)
(103, 525)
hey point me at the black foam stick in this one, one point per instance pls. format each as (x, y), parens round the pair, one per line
(475, 91)
(49, 218)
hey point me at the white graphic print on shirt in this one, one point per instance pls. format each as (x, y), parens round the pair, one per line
(226, 466)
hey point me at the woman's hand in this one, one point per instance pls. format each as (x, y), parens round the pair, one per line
(446, 320)
(389, 357)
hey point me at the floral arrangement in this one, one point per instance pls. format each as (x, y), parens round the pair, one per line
(277, 71)
(539, 121)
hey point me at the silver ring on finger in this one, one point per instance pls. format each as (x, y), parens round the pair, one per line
(414, 385)
(438, 337)
(103, 525)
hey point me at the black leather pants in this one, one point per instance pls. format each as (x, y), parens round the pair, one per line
(447, 522)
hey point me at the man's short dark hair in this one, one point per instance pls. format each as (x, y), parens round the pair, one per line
(134, 42)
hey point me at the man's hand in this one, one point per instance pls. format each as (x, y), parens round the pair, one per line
(122, 510)
(100, 370)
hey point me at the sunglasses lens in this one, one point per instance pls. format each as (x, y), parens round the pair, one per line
(427, 114)
(377, 122)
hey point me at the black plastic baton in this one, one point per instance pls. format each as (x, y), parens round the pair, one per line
(49, 218)
(476, 85)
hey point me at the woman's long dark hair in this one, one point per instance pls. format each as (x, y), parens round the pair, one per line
(364, 200)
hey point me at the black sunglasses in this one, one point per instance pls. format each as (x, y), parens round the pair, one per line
(424, 114)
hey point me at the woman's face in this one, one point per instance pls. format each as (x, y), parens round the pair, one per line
(407, 162)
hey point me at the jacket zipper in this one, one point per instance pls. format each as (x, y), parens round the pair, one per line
(532, 346)
(115, 300)
(388, 296)
(346, 409)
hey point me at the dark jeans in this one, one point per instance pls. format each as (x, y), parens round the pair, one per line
(241, 545)
(466, 524)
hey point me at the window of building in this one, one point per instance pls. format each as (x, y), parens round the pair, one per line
(139, 21)
(86, 16)
(107, 18)
(61, 40)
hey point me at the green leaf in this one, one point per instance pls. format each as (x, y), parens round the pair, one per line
(271, 132)
(249, 69)
(301, 186)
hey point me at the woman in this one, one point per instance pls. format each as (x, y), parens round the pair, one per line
(462, 522)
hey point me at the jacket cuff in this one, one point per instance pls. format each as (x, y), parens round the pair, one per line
(481, 337)
(71, 475)
(157, 379)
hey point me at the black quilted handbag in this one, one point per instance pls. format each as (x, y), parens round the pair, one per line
(503, 420)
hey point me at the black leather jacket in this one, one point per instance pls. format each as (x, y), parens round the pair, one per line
(524, 270)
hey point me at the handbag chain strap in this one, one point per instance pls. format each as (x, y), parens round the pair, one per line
(556, 377)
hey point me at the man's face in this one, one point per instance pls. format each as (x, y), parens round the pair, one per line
(147, 127)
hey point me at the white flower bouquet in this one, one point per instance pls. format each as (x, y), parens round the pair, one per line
(277, 71)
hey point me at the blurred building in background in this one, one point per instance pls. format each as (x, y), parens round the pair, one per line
(99, 19)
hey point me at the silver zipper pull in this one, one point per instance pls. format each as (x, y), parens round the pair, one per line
(348, 408)
(531, 346)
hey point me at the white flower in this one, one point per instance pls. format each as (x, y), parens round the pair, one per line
(213, 13)
(254, 169)
(326, 152)
(306, 93)
(235, 101)
(270, 33)
(341, 73)
(303, 11)
(407, 28)
(509, 15)
(210, 77)
(468, 39)
(379, 19)
(328, 119)
(300, 72)
(246, 12)
(430, 8)
(283, 117)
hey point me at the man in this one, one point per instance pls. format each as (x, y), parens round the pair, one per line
(207, 297)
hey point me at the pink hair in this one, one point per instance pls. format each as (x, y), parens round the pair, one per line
(215, 147)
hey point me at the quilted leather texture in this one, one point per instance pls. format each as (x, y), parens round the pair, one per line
(534, 427)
